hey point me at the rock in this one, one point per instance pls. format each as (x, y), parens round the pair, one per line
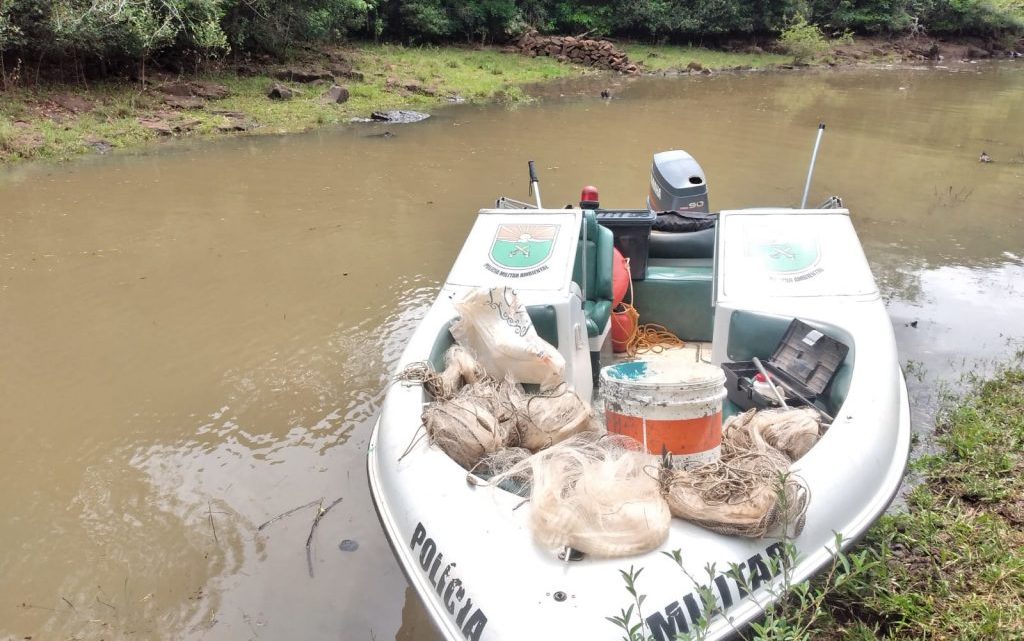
(185, 126)
(234, 126)
(175, 88)
(234, 121)
(100, 145)
(303, 75)
(417, 88)
(184, 102)
(693, 65)
(974, 53)
(592, 53)
(74, 104)
(348, 73)
(157, 125)
(278, 91)
(208, 90)
(336, 95)
(398, 116)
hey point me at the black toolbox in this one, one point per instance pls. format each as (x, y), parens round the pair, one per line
(805, 361)
(632, 231)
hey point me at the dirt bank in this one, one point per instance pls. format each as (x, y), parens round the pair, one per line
(335, 86)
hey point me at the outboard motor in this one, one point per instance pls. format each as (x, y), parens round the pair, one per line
(684, 227)
(677, 184)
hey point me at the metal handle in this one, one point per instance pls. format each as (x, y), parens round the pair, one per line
(534, 184)
(810, 170)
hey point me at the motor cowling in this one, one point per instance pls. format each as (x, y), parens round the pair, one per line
(677, 184)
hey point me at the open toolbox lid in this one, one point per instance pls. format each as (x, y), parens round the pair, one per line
(808, 358)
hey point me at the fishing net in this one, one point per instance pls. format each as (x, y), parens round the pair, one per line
(465, 428)
(595, 493)
(473, 415)
(793, 432)
(551, 417)
(460, 369)
(749, 491)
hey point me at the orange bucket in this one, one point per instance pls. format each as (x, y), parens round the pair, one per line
(669, 404)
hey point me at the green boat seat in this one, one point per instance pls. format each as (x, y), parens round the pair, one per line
(599, 252)
(694, 244)
(677, 294)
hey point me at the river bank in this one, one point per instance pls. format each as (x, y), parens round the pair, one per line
(200, 333)
(58, 121)
(949, 565)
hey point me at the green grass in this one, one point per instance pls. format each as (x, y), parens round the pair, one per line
(953, 562)
(675, 58)
(447, 72)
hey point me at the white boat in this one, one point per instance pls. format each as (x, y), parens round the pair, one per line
(468, 551)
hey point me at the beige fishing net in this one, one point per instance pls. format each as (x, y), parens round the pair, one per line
(597, 494)
(473, 415)
(749, 491)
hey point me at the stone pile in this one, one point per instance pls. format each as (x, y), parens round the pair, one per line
(585, 51)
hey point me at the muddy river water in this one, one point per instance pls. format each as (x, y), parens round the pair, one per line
(195, 339)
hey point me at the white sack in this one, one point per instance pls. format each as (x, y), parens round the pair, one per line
(495, 327)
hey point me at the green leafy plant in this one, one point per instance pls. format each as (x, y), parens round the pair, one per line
(803, 40)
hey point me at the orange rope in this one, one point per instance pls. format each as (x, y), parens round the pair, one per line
(652, 338)
(645, 338)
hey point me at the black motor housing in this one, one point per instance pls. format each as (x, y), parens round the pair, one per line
(677, 184)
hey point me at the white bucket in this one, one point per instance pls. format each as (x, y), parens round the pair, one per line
(672, 403)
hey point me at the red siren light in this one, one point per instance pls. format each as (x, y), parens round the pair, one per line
(589, 198)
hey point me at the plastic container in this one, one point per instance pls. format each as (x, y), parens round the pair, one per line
(805, 360)
(672, 404)
(632, 231)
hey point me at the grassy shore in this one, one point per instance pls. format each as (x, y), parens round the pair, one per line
(951, 565)
(660, 58)
(36, 123)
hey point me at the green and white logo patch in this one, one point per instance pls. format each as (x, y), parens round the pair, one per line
(521, 247)
(789, 256)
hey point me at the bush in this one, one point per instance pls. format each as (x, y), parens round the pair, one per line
(977, 17)
(862, 16)
(803, 40)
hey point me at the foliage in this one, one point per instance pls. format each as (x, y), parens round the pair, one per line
(797, 609)
(672, 57)
(112, 35)
(950, 565)
(954, 559)
(803, 41)
(862, 16)
(979, 17)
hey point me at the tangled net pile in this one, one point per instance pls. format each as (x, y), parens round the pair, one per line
(749, 490)
(474, 415)
(596, 493)
(600, 493)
